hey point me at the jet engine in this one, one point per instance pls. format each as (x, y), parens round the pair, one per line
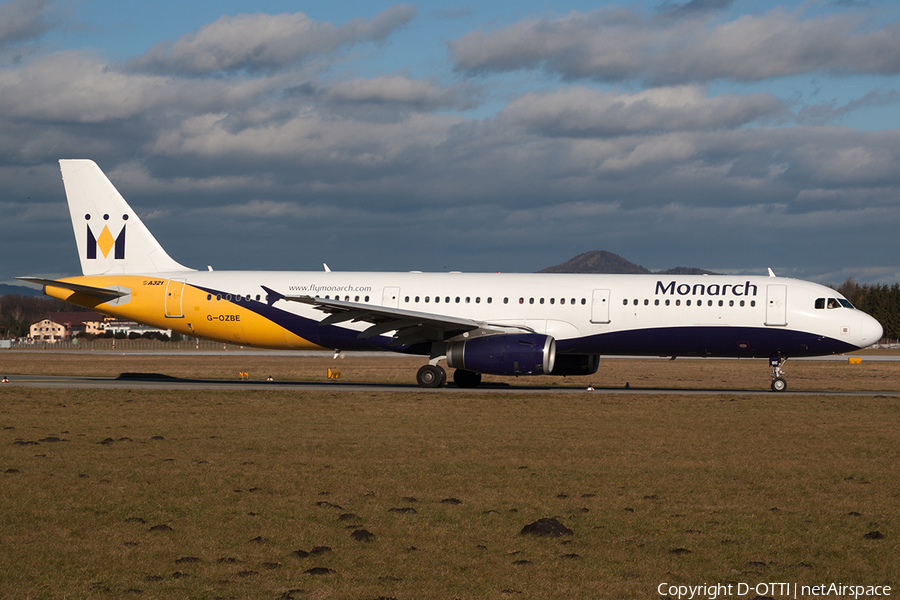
(576, 364)
(504, 354)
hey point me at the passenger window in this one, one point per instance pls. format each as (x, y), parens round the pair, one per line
(742, 302)
(542, 300)
(257, 298)
(753, 303)
(478, 300)
(552, 300)
(583, 301)
(531, 301)
(447, 299)
(417, 298)
(646, 302)
(489, 300)
(731, 303)
(721, 302)
(506, 301)
(709, 303)
(468, 299)
(687, 302)
(209, 296)
(625, 302)
(667, 301)
(437, 299)
(678, 302)
(656, 302)
(457, 299)
(635, 301)
(406, 299)
(367, 298)
(521, 300)
(562, 300)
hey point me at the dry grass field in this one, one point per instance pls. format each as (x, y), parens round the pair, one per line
(262, 494)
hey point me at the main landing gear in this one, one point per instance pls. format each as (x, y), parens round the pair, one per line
(778, 382)
(434, 376)
(431, 376)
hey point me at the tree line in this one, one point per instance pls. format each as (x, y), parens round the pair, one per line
(881, 300)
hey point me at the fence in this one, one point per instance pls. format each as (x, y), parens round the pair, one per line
(126, 344)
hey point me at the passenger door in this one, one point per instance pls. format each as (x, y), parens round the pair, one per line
(776, 305)
(174, 291)
(600, 306)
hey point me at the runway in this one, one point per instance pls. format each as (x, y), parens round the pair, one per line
(151, 382)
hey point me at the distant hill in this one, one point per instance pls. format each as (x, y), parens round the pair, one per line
(601, 261)
(686, 271)
(20, 290)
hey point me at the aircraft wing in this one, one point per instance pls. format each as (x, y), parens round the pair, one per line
(410, 326)
(104, 294)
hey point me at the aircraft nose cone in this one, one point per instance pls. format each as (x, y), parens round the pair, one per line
(870, 331)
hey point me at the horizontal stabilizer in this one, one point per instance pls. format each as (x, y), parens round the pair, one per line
(104, 294)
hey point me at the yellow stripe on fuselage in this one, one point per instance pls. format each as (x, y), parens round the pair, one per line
(192, 314)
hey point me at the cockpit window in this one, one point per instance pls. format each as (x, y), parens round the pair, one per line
(833, 303)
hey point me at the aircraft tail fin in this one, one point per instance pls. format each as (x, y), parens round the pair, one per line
(111, 237)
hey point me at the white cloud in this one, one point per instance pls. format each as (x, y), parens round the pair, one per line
(262, 42)
(22, 20)
(402, 91)
(583, 112)
(72, 86)
(624, 45)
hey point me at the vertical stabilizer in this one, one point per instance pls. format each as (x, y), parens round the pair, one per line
(111, 237)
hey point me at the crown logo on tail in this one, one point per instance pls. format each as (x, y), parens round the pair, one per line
(105, 243)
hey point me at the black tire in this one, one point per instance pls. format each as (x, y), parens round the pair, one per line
(431, 376)
(779, 384)
(466, 379)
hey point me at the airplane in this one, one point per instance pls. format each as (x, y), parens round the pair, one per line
(479, 323)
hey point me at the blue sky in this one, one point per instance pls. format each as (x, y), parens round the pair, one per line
(725, 134)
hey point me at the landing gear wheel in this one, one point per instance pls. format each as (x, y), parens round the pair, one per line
(431, 376)
(779, 384)
(466, 379)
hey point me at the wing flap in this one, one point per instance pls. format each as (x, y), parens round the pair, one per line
(410, 326)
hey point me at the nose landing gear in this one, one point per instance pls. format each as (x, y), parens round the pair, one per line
(778, 382)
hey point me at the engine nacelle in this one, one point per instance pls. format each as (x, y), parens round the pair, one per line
(576, 364)
(506, 354)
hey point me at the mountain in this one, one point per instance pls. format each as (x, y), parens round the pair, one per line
(601, 261)
(686, 271)
(597, 261)
(20, 290)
